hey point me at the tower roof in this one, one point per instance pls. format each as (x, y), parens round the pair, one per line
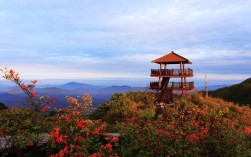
(172, 58)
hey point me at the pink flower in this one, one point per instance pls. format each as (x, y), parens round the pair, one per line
(94, 155)
(73, 101)
(30, 144)
(204, 132)
(193, 138)
(96, 131)
(57, 137)
(107, 147)
(45, 108)
(82, 124)
(23, 86)
(172, 127)
(95, 121)
(115, 139)
(12, 73)
(66, 150)
(31, 86)
(34, 81)
(33, 94)
(247, 131)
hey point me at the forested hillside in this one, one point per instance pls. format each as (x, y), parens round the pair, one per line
(239, 93)
(195, 126)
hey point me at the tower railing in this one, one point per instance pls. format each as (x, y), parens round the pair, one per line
(174, 85)
(172, 72)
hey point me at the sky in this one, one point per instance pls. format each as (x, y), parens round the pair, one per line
(114, 41)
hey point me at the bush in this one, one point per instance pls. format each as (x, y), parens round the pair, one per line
(2, 106)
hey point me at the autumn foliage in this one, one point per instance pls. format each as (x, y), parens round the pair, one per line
(195, 126)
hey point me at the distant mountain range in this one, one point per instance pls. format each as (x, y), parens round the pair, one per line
(75, 85)
(238, 93)
(13, 96)
(212, 87)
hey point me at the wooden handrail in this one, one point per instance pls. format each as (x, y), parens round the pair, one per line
(174, 85)
(171, 72)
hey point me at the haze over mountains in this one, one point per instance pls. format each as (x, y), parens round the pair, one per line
(12, 96)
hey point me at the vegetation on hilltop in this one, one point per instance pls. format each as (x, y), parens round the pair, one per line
(239, 93)
(122, 106)
(194, 127)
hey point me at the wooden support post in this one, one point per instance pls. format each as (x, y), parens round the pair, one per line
(181, 68)
(165, 73)
(181, 72)
(160, 68)
(184, 73)
(159, 83)
(184, 70)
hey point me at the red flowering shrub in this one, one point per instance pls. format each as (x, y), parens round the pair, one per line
(36, 103)
(188, 130)
(75, 135)
(126, 105)
(25, 129)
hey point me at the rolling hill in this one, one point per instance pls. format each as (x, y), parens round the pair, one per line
(238, 93)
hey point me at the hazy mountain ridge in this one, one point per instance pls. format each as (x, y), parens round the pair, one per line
(212, 87)
(15, 96)
(238, 93)
(76, 85)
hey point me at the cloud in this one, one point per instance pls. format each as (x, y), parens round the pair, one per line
(227, 77)
(51, 72)
(208, 54)
(74, 59)
(121, 38)
(163, 25)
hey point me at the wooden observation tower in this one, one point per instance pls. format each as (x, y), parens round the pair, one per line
(164, 86)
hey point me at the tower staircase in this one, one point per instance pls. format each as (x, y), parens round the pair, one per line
(165, 92)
